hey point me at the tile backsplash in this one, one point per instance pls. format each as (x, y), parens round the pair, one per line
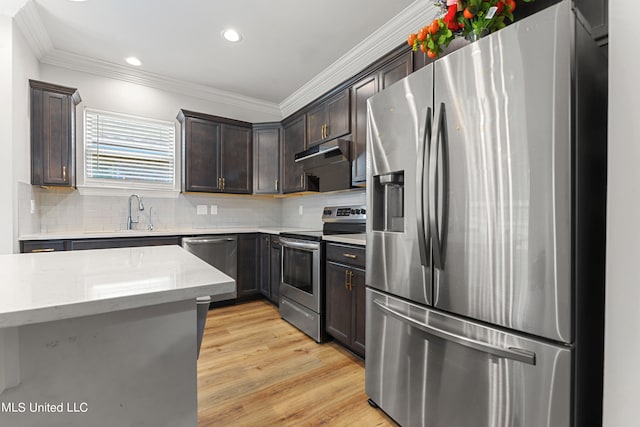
(65, 210)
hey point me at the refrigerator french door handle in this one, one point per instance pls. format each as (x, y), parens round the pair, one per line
(512, 353)
(420, 215)
(439, 235)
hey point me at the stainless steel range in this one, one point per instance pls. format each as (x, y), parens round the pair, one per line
(302, 295)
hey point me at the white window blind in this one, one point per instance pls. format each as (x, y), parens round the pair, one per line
(127, 151)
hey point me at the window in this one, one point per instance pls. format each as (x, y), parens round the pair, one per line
(128, 152)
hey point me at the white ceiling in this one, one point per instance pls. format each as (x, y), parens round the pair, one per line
(286, 43)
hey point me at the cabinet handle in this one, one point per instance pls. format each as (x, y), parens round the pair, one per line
(350, 280)
(276, 183)
(346, 279)
(220, 183)
(43, 250)
(302, 181)
(352, 256)
(326, 130)
(224, 183)
(322, 131)
(64, 173)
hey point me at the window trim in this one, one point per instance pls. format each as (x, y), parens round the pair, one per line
(106, 187)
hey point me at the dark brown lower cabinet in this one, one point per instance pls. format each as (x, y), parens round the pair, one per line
(345, 303)
(248, 280)
(80, 245)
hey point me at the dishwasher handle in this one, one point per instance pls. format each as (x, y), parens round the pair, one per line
(198, 241)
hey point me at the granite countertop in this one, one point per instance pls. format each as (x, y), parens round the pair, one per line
(42, 287)
(146, 233)
(354, 239)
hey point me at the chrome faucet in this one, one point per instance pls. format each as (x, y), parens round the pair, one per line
(150, 226)
(130, 220)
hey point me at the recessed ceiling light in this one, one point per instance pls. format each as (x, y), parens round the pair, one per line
(78, 0)
(231, 35)
(132, 60)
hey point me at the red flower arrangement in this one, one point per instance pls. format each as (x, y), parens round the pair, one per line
(467, 18)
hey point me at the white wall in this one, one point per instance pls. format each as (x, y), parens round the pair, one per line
(25, 66)
(115, 95)
(622, 328)
(6, 169)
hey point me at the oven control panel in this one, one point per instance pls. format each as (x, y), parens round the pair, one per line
(355, 213)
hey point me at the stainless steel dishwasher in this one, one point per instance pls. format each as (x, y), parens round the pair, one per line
(221, 251)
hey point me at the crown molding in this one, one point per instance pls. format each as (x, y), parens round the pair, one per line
(29, 21)
(85, 64)
(381, 42)
(11, 7)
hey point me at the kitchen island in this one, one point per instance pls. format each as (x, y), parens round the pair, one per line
(102, 337)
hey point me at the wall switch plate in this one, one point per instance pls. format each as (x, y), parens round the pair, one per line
(201, 210)
(33, 206)
(214, 209)
(300, 210)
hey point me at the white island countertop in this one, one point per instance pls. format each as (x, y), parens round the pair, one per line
(44, 287)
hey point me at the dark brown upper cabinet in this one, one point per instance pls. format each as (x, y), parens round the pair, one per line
(395, 70)
(216, 154)
(594, 14)
(329, 119)
(236, 160)
(53, 134)
(367, 86)
(266, 158)
(362, 91)
(293, 177)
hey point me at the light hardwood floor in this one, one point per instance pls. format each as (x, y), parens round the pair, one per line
(255, 369)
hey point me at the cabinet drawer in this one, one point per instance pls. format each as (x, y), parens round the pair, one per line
(43, 246)
(345, 254)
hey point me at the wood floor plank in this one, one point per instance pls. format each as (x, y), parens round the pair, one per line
(255, 369)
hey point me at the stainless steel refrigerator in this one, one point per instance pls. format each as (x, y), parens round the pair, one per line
(485, 238)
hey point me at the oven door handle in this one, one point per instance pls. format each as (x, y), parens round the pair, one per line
(299, 245)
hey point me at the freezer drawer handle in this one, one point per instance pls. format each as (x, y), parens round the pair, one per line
(512, 353)
(205, 241)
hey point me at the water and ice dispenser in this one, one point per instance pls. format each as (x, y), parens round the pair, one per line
(388, 202)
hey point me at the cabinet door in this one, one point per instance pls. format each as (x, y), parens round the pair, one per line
(266, 159)
(265, 264)
(338, 303)
(396, 70)
(248, 281)
(358, 318)
(53, 133)
(236, 161)
(362, 91)
(316, 121)
(275, 270)
(56, 138)
(293, 176)
(338, 115)
(201, 152)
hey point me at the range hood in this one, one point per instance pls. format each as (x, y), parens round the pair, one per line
(327, 165)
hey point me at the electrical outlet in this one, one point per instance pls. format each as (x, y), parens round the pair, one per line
(300, 210)
(33, 206)
(214, 209)
(201, 210)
